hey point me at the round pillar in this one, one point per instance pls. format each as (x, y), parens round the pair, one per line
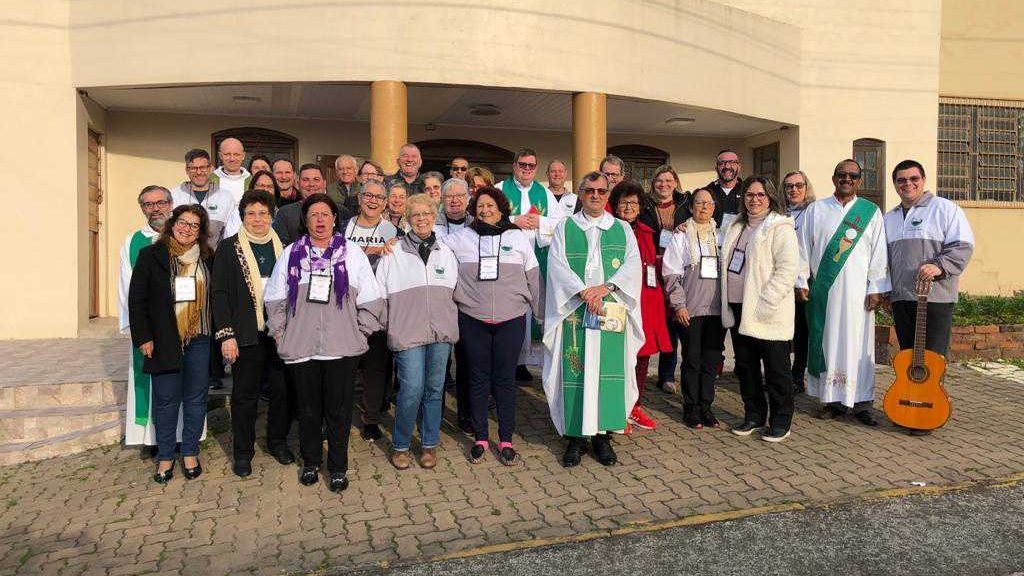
(589, 132)
(389, 122)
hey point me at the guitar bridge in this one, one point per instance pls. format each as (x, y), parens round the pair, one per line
(915, 404)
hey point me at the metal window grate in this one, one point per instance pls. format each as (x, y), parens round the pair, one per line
(981, 150)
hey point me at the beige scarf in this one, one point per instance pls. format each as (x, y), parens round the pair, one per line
(252, 269)
(708, 235)
(192, 316)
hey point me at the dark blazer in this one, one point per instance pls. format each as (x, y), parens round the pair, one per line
(725, 204)
(234, 315)
(649, 213)
(151, 309)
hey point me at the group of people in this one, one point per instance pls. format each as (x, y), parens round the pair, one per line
(302, 287)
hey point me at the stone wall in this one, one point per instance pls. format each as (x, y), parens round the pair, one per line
(988, 342)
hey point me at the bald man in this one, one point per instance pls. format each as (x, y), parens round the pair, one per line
(345, 190)
(231, 175)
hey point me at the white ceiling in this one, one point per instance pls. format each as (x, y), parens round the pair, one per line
(441, 105)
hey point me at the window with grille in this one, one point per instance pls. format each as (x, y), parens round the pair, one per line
(981, 150)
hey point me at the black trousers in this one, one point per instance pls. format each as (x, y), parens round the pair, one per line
(377, 366)
(324, 389)
(937, 332)
(462, 384)
(255, 364)
(776, 382)
(492, 351)
(703, 348)
(801, 333)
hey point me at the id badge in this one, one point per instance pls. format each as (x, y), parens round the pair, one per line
(709, 266)
(736, 263)
(488, 268)
(650, 276)
(665, 238)
(319, 288)
(184, 288)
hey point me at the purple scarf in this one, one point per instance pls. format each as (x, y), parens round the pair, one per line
(303, 251)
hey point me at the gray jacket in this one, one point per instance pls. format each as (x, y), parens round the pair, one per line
(518, 287)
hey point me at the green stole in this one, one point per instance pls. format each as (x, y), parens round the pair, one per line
(539, 198)
(612, 369)
(832, 261)
(140, 380)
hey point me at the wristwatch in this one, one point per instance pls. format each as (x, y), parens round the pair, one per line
(611, 287)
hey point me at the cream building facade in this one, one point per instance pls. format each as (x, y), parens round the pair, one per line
(105, 97)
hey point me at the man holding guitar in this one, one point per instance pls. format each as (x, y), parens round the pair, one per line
(930, 242)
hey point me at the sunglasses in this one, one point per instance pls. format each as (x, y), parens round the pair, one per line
(850, 175)
(527, 165)
(601, 191)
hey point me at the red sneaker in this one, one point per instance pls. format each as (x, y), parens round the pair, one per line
(641, 420)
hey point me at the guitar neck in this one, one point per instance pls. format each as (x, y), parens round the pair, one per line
(920, 328)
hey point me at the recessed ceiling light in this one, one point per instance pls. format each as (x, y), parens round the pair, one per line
(484, 110)
(247, 99)
(680, 120)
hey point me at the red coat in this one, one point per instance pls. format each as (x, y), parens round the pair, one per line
(652, 300)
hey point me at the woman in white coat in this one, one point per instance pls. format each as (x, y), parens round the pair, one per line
(760, 256)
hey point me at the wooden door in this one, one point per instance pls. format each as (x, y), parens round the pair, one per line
(95, 198)
(870, 153)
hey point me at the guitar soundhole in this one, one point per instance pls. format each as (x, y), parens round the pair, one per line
(918, 373)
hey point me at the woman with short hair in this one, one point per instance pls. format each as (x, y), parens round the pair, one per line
(241, 270)
(478, 177)
(760, 257)
(499, 281)
(322, 302)
(169, 312)
(418, 277)
(397, 194)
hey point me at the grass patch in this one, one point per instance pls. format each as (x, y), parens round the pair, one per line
(978, 311)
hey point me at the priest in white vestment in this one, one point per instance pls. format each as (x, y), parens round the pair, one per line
(592, 325)
(844, 275)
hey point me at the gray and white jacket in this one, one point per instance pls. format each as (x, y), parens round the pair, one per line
(935, 231)
(420, 305)
(518, 287)
(323, 331)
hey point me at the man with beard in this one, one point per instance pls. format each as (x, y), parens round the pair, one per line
(284, 173)
(286, 220)
(409, 163)
(202, 189)
(726, 188)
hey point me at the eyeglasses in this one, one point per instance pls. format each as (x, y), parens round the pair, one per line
(703, 203)
(913, 179)
(601, 191)
(628, 203)
(460, 168)
(378, 197)
(850, 175)
(197, 168)
(527, 166)
(189, 225)
(423, 215)
(756, 196)
(157, 204)
(727, 163)
(612, 174)
(794, 185)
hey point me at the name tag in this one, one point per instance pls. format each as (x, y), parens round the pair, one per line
(488, 268)
(184, 288)
(320, 288)
(650, 276)
(545, 227)
(709, 266)
(736, 263)
(665, 238)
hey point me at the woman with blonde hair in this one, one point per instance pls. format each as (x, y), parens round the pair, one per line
(478, 177)
(799, 195)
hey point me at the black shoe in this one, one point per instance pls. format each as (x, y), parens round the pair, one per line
(310, 475)
(775, 435)
(603, 450)
(799, 386)
(830, 411)
(192, 473)
(242, 468)
(507, 456)
(693, 422)
(283, 455)
(467, 428)
(338, 482)
(371, 432)
(747, 428)
(574, 451)
(165, 476)
(920, 432)
(216, 384)
(523, 374)
(866, 418)
(709, 421)
(476, 453)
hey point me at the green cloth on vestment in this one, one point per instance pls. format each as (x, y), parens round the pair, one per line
(141, 380)
(612, 369)
(832, 262)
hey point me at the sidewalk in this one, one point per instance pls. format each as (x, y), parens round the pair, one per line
(99, 513)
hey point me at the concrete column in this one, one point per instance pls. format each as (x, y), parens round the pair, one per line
(389, 122)
(589, 132)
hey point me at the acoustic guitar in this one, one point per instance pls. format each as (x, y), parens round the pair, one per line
(916, 399)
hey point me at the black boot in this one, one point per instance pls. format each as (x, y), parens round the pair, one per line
(603, 449)
(576, 448)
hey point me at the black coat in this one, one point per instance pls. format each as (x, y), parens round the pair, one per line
(725, 204)
(234, 315)
(151, 309)
(649, 213)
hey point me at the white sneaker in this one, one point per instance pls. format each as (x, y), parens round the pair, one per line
(774, 437)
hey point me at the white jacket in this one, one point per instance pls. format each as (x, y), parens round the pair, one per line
(770, 273)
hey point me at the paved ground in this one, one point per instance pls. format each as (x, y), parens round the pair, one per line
(98, 512)
(971, 532)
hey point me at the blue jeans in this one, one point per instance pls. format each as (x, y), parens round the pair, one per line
(185, 391)
(421, 372)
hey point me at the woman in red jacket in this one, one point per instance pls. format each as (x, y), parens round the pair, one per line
(625, 203)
